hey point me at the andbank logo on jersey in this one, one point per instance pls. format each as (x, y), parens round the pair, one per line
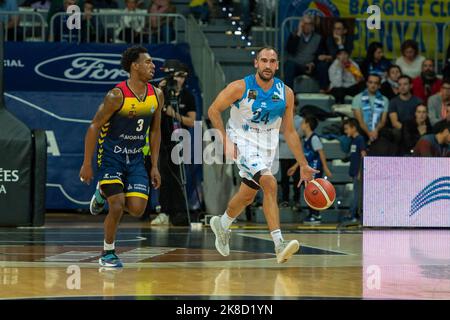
(437, 190)
(87, 67)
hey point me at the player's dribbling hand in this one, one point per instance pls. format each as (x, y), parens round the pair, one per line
(306, 174)
(155, 177)
(86, 174)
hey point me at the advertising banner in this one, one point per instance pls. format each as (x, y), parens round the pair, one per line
(406, 192)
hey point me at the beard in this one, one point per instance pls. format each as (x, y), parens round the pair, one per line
(264, 77)
(429, 76)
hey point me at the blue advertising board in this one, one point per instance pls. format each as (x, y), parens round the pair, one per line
(58, 87)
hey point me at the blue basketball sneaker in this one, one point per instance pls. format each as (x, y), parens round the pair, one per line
(97, 202)
(110, 259)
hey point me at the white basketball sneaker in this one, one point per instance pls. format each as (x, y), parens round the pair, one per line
(222, 236)
(285, 250)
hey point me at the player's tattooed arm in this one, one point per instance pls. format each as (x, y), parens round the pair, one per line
(111, 103)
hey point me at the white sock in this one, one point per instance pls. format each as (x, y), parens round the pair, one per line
(226, 221)
(107, 246)
(276, 236)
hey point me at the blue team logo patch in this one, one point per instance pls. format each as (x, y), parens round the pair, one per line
(438, 189)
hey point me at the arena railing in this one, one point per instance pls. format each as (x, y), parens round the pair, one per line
(30, 26)
(110, 27)
(207, 68)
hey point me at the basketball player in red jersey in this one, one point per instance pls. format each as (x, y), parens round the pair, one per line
(120, 126)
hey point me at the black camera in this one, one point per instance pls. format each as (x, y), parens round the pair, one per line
(172, 68)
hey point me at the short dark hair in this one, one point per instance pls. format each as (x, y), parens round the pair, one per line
(441, 126)
(446, 81)
(374, 75)
(394, 66)
(339, 51)
(131, 55)
(404, 76)
(266, 48)
(409, 44)
(341, 22)
(311, 121)
(352, 122)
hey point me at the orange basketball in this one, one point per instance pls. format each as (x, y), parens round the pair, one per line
(319, 194)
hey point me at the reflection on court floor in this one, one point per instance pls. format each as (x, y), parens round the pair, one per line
(60, 261)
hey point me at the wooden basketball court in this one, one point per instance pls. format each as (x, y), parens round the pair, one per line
(60, 261)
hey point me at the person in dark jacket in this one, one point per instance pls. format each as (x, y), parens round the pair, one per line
(339, 40)
(375, 62)
(435, 145)
(414, 129)
(302, 47)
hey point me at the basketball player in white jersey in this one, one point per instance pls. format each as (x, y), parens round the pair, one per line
(260, 105)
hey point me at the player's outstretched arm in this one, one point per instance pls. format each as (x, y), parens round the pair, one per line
(226, 97)
(293, 140)
(111, 104)
(155, 140)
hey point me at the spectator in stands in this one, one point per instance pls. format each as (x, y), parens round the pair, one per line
(375, 62)
(131, 25)
(345, 77)
(287, 160)
(446, 69)
(389, 88)
(414, 129)
(37, 4)
(61, 32)
(357, 152)
(200, 10)
(247, 8)
(161, 27)
(427, 84)
(403, 106)
(447, 118)
(313, 149)
(91, 27)
(106, 4)
(370, 108)
(10, 22)
(302, 47)
(435, 145)
(339, 40)
(437, 103)
(410, 61)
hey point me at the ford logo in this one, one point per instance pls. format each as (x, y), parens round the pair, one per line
(89, 68)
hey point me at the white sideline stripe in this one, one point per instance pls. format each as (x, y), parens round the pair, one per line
(46, 111)
(66, 194)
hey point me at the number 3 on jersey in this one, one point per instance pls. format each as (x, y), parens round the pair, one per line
(140, 126)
